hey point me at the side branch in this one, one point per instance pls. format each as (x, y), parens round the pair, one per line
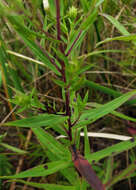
(70, 49)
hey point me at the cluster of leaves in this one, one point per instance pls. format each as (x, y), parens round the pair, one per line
(33, 41)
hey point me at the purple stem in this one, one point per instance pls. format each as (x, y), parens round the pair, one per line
(67, 96)
(70, 49)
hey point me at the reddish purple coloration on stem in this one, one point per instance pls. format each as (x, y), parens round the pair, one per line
(69, 51)
(132, 130)
(58, 19)
(67, 95)
(85, 169)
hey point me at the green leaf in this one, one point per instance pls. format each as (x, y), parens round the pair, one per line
(0, 79)
(84, 68)
(4, 69)
(92, 115)
(112, 150)
(127, 38)
(121, 38)
(109, 169)
(15, 79)
(50, 143)
(89, 20)
(118, 114)
(52, 8)
(99, 3)
(122, 175)
(74, 42)
(117, 24)
(61, 8)
(2, 137)
(85, 5)
(61, 56)
(5, 166)
(59, 83)
(80, 33)
(28, 37)
(14, 149)
(84, 56)
(40, 170)
(123, 116)
(47, 186)
(38, 121)
(85, 98)
(106, 90)
(86, 143)
(68, 173)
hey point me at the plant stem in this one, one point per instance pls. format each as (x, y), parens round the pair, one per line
(70, 49)
(58, 24)
(67, 92)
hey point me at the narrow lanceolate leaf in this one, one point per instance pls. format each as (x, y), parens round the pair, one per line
(85, 169)
(81, 32)
(4, 70)
(117, 24)
(119, 38)
(40, 170)
(47, 186)
(117, 114)
(126, 173)
(92, 115)
(50, 143)
(28, 37)
(99, 2)
(38, 121)
(86, 142)
(112, 150)
(14, 149)
(107, 90)
(89, 20)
